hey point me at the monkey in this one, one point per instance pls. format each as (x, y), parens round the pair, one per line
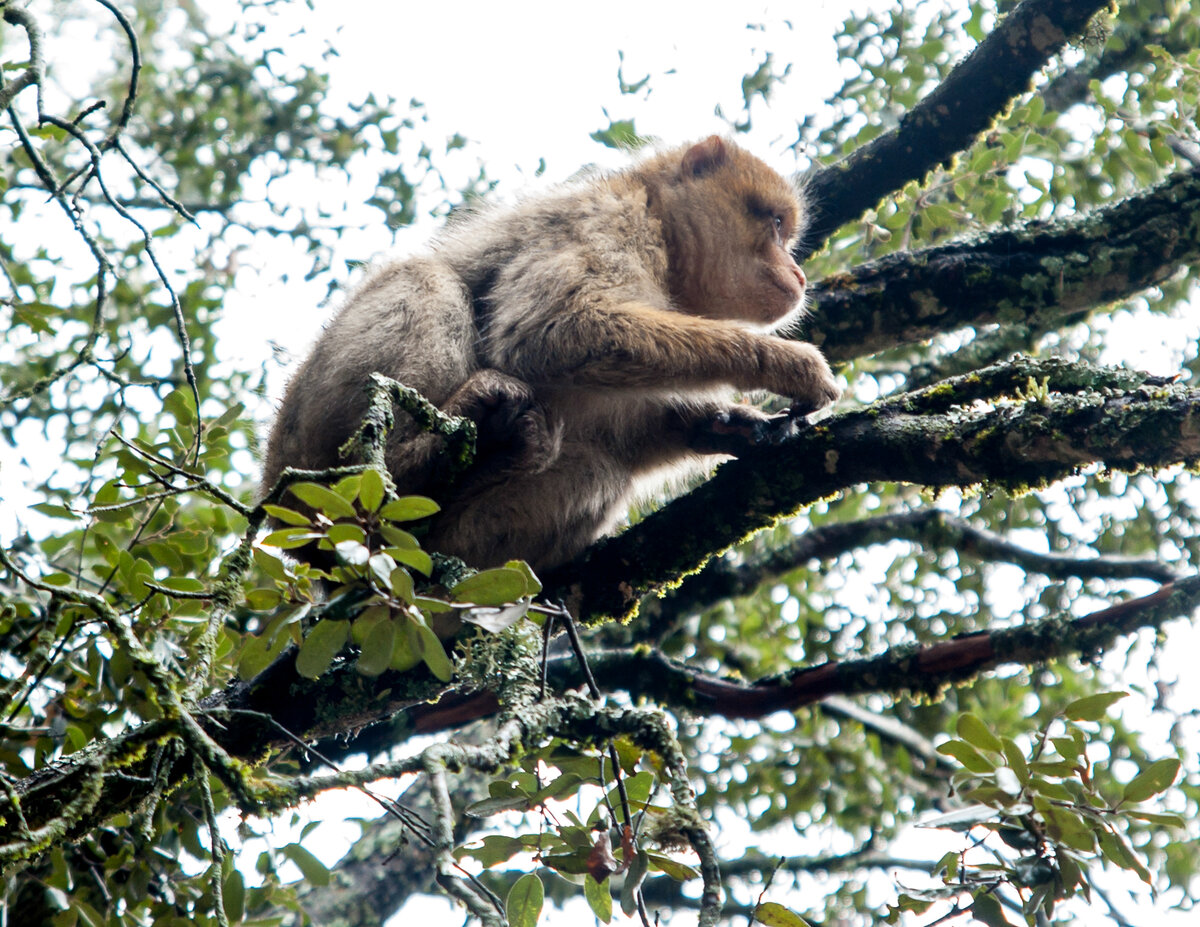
(595, 334)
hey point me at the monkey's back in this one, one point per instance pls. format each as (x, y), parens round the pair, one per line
(410, 320)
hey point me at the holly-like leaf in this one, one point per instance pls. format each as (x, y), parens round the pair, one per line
(320, 646)
(524, 902)
(1155, 778)
(323, 499)
(1092, 707)
(776, 915)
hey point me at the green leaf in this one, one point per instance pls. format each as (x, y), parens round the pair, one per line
(54, 510)
(370, 490)
(776, 915)
(1117, 850)
(1092, 707)
(1155, 778)
(366, 620)
(599, 898)
(290, 538)
(400, 583)
(323, 499)
(404, 653)
(233, 893)
(680, 872)
(491, 587)
(263, 600)
(524, 902)
(377, 649)
(347, 486)
(533, 585)
(413, 557)
(633, 881)
(496, 849)
(287, 516)
(970, 758)
(181, 404)
(987, 910)
(409, 508)
(1016, 760)
(976, 733)
(313, 869)
(638, 787)
(343, 532)
(1164, 820)
(320, 646)
(270, 564)
(398, 537)
(426, 644)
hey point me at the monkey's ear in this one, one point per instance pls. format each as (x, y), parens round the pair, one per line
(705, 156)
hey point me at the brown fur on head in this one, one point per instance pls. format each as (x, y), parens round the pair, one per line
(716, 194)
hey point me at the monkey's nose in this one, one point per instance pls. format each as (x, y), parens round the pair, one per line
(803, 279)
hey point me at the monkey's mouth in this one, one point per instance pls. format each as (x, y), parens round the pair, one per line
(786, 283)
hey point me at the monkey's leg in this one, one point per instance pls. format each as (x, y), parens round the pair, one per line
(512, 432)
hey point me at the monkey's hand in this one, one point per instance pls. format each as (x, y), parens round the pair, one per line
(799, 371)
(733, 429)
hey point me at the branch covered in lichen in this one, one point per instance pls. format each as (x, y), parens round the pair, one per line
(1035, 275)
(1016, 441)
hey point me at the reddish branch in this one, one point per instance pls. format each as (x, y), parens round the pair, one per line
(921, 669)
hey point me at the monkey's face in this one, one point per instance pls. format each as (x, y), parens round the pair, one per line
(730, 222)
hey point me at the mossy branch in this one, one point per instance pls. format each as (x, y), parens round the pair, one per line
(1015, 440)
(1036, 275)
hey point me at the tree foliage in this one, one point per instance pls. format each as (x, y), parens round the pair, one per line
(949, 603)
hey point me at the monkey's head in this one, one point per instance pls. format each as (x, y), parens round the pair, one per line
(729, 222)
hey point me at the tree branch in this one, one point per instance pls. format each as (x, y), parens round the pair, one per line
(924, 438)
(948, 120)
(900, 669)
(1035, 274)
(931, 528)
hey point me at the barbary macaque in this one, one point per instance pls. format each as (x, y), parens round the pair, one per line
(594, 334)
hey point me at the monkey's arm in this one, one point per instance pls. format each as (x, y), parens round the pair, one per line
(633, 346)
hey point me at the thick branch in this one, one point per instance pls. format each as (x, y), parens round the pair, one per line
(1035, 274)
(1013, 444)
(947, 121)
